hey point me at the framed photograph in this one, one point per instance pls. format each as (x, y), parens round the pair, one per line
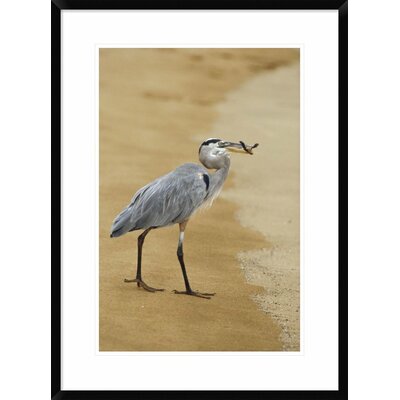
(199, 191)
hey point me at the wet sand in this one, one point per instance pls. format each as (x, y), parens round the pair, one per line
(154, 104)
(270, 185)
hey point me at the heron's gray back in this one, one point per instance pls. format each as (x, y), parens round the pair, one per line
(170, 199)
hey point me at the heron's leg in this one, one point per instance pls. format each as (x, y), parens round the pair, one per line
(138, 278)
(179, 253)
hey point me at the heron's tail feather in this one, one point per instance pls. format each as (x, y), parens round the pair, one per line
(116, 233)
(122, 223)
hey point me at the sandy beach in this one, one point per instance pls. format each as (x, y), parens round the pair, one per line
(156, 107)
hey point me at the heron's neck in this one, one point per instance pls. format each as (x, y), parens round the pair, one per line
(218, 177)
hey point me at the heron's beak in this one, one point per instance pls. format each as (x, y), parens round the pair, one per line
(241, 145)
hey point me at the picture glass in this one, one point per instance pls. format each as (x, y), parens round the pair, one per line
(158, 110)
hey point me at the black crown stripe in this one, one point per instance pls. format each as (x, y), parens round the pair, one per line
(207, 142)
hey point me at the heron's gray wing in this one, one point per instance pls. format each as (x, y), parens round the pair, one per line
(168, 200)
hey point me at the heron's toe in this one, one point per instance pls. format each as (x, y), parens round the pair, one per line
(143, 285)
(196, 294)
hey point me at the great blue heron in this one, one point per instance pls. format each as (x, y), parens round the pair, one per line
(174, 198)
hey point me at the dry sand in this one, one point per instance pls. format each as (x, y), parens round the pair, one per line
(156, 105)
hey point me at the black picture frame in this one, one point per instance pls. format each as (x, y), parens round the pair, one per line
(56, 7)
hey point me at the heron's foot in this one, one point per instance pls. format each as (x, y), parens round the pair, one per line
(194, 293)
(143, 285)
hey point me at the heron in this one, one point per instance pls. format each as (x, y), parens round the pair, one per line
(174, 198)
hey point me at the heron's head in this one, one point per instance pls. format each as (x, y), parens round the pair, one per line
(214, 154)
